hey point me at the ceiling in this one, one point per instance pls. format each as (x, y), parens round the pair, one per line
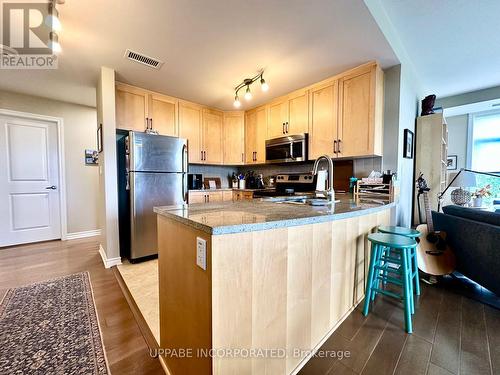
(452, 44)
(208, 47)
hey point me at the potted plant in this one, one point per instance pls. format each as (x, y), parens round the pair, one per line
(479, 194)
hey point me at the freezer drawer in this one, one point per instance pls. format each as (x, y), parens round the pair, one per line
(148, 190)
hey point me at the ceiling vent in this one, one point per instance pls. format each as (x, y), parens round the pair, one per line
(143, 59)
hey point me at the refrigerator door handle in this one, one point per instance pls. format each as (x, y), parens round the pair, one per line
(184, 172)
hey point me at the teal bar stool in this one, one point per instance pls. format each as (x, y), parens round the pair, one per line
(411, 233)
(384, 245)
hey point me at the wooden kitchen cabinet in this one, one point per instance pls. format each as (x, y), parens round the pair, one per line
(131, 107)
(163, 114)
(278, 116)
(255, 135)
(234, 138)
(190, 127)
(136, 109)
(227, 195)
(347, 114)
(289, 115)
(212, 145)
(324, 120)
(204, 196)
(360, 127)
(239, 195)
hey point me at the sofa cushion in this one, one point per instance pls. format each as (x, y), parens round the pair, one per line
(488, 217)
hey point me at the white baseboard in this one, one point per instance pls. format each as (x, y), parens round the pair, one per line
(77, 235)
(108, 263)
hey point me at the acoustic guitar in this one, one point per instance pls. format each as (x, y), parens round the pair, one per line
(433, 252)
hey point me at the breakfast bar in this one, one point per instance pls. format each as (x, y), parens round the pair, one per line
(255, 287)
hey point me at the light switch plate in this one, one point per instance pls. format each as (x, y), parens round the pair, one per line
(201, 253)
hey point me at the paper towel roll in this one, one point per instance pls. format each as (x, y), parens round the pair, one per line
(321, 180)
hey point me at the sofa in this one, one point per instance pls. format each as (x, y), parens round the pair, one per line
(474, 236)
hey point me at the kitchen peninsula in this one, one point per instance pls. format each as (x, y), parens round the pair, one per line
(274, 282)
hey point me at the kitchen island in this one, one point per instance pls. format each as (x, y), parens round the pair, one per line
(278, 280)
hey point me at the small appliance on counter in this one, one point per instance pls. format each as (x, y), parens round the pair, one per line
(195, 181)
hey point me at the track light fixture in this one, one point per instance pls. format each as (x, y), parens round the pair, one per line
(247, 83)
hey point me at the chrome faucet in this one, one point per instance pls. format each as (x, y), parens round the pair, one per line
(329, 193)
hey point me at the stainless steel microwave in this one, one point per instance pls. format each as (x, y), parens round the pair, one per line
(287, 149)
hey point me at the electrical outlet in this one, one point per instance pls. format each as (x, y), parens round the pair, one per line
(201, 253)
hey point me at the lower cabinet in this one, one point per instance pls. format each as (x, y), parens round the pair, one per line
(210, 196)
(242, 195)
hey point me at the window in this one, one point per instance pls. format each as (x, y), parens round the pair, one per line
(484, 142)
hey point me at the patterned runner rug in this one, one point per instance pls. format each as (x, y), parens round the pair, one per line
(51, 327)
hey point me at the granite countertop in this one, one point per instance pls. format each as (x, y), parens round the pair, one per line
(227, 189)
(262, 214)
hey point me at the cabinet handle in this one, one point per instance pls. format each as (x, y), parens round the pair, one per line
(339, 149)
(334, 146)
(208, 198)
(147, 123)
(283, 128)
(151, 124)
(242, 157)
(201, 152)
(205, 155)
(286, 127)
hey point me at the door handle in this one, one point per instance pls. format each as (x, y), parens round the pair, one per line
(242, 157)
(51, 187)
(147, 123)
(334, 146)
(339, 149)
(286, 127)
(283, 128)
(201, 152)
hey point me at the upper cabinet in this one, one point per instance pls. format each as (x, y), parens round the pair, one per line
(289, 115)
(256, 126)
(361, 102)
(324, 120)
(234, 138)
(190, 127)
(347, 114)
(131, 108)
(163, 114)
(138, 109)
(212, 145)
(202, 127)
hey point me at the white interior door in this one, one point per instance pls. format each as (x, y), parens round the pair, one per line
(29, 181)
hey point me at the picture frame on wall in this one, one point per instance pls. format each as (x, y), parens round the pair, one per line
(408, 144)
(99, 138)
(451, 162)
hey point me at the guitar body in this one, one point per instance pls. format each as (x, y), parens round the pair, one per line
(433, 253)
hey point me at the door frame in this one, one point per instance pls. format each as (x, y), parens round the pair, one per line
(59, 121)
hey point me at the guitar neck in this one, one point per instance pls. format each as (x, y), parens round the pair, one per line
(428, 213)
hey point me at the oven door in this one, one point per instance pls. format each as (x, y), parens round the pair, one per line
(286, 149)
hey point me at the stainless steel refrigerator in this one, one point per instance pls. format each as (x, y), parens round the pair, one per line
(156, 175)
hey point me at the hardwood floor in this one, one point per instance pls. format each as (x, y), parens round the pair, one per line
(452, 335)
(126, 350)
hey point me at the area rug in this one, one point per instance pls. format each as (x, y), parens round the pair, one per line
(51, 327)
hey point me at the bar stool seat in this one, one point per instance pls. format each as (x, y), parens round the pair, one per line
(384, 245)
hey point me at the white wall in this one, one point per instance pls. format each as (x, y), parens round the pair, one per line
(79, 134)
(108, 192)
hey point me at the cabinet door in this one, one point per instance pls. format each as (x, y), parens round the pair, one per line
(163, 114)
(196, 197)
(227, 195)
(215, 196)
(250, 136)
(324, 107)
(355, 127)
(278, 116)
(261, 134)
(131, 108)
(298, 113)
(212, 136)
(190, 125)
(234, 138)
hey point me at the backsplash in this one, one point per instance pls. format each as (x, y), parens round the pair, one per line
(361, 168)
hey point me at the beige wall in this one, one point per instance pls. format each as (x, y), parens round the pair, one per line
(79, 134)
